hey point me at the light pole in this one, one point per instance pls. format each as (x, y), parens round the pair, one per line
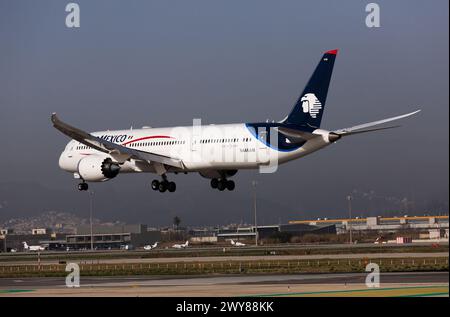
(4, 242)
(254, 209)
(349, 198)
(91, 207)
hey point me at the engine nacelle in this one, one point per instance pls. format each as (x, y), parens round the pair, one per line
(95, 168)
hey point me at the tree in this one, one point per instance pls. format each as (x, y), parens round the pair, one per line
(176, 221)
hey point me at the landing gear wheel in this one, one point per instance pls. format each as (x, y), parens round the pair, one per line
(214, 182)
(171, 187)
(83, 186)
(221, 185)
(155, 184)
(230, 185)
(162, 187)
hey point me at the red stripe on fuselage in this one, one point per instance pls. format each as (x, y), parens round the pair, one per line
(148, 137)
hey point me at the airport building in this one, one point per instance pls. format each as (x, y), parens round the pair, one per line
(383, 224)
(264, 232)
(112, 237)
(136, 236)
(12, 241)
(105, 237)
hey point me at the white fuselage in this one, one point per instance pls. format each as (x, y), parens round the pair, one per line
(36, 248)
(33, 247)
(200, 148)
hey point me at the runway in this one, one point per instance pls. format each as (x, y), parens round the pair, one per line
(225, 250)
(348, 284)
(346, 256)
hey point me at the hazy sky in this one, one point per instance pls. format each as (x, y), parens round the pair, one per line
(163, 63)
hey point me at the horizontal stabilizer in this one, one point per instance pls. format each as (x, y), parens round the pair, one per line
(362, 128)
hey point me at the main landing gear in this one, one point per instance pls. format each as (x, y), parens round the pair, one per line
(83, 186)
(222, 184)
(164, 185)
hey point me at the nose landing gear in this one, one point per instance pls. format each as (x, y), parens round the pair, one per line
(83, 186)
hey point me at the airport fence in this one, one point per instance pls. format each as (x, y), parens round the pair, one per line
(229, 267)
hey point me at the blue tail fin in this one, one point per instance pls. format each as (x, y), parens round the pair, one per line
(310, 105)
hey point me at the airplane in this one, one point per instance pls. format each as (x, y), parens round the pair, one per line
(237, 244)
(32, 247)
(380, 240)
(127, 247)
(181, 246)
(150, 247)
(216, 152)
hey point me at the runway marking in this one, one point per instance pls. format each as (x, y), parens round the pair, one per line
(9, 291)
(438, 290)
(426, 294)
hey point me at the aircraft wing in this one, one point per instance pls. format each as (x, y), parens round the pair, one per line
(362, 128)
(115, 150)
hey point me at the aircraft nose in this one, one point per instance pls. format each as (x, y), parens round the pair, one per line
(68, 162)
(61, 161)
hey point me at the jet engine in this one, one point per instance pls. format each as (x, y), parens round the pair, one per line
(96, 168)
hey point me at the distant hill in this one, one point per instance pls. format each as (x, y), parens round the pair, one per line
(57, 221)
